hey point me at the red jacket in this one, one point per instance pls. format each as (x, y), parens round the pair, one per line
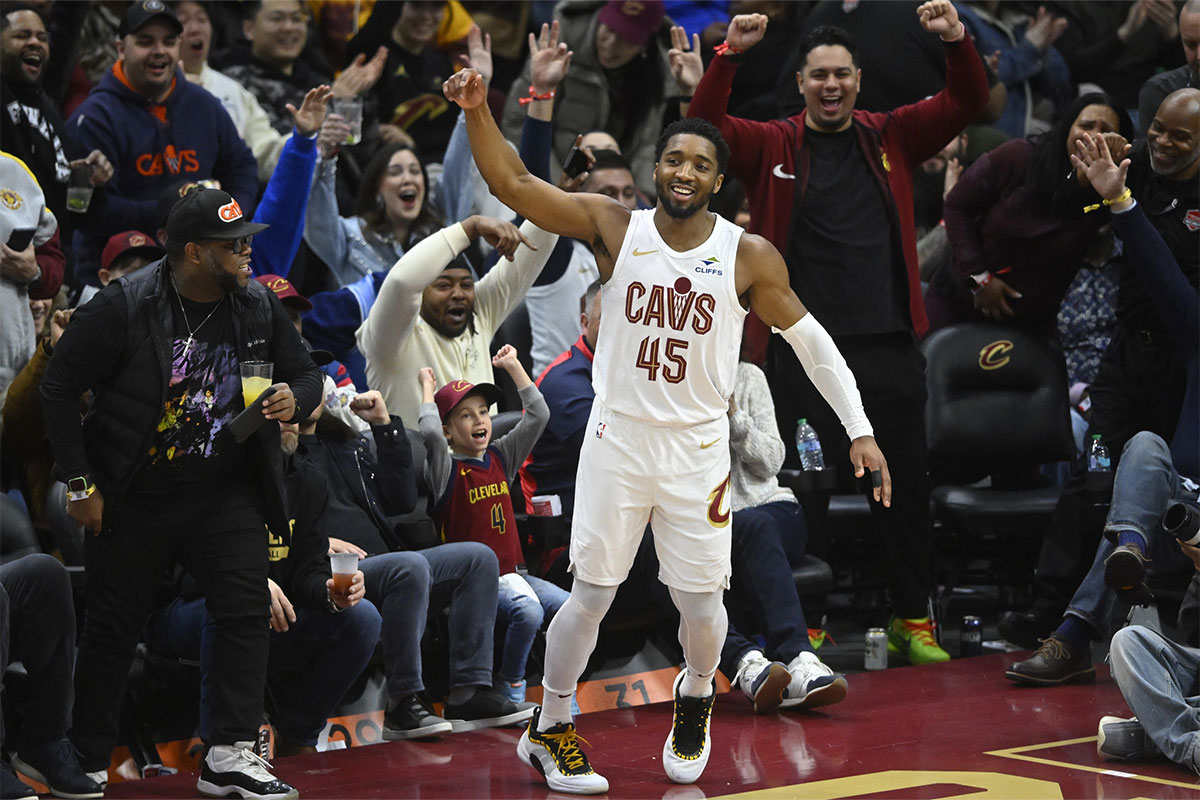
(764, 157)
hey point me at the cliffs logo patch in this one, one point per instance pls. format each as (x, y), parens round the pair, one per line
(11, 200)
(230, 212)
(995, 355)
(716, 498)
(1192, 219)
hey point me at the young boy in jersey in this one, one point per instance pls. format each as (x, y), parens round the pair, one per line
(470, 484)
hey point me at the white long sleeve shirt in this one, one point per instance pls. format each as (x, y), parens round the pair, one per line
(397, 342)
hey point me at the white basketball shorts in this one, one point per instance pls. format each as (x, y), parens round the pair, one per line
(677, 478)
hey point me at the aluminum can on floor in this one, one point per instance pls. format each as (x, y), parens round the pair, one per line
(971, 640)
(875, 651)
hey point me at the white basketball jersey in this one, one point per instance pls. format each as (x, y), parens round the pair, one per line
(670, 328)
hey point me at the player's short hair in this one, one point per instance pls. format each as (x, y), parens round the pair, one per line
(696, 127)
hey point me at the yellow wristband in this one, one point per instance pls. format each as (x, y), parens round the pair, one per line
(1121, 198)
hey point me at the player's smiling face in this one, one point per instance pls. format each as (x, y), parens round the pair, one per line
(686, 175)
(468, 426)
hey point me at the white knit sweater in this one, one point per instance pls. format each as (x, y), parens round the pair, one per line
(756, 451)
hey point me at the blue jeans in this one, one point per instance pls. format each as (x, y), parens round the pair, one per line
(1146, 481)
(766, 539)
(310, 667)
(1155, 675)
(400, 585)
(524, 617)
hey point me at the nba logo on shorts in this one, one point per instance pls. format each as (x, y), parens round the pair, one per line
(600, 430)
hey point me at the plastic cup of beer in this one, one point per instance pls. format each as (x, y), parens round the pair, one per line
(79, 189)
(256, 377)
(343, 566)
(351, 110)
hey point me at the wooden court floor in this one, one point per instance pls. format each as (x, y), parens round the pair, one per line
(954, 730)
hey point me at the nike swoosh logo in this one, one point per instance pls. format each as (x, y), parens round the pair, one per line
(637, 252)
(464, 472)
(779, 173)
(704, 446)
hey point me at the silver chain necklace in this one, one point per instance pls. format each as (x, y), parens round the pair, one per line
(191, 339)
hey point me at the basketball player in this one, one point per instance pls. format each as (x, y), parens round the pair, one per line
(678, 280)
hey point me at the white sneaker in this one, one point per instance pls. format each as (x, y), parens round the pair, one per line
(812, 683)
(100, 776)
(237, 769)
(761, 680)
(686, 751)
(556, 756)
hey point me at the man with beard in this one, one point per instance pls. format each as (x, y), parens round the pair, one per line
(1141, 379)
(30, 126)
(431, 311)
(677, 282)
(156, 128)
(154, 476)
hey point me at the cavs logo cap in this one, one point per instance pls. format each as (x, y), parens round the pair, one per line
(129, 242)
(284, 290)
(453, 393)
(209, 214)
(139, 13)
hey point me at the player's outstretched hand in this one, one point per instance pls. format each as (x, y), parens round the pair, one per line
(467, 88)
(865, 456)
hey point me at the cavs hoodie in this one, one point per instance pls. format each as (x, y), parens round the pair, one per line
(189, 136)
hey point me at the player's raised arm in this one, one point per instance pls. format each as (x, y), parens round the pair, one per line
(581, 216)
(763, 278)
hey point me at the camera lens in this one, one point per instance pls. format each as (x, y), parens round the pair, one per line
(1183, 523)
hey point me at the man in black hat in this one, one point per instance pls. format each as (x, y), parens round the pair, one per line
(156, 128)
(153, 473)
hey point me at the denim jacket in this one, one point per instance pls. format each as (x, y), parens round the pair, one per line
(347, 248)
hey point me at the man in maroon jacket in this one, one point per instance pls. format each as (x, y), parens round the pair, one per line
(831, 187)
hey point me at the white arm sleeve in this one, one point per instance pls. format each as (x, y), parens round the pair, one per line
(828, 371)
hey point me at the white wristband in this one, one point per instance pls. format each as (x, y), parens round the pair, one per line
(825, 367)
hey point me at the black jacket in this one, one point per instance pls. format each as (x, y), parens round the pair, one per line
(119, 346)
(301, 566)
(379, 480)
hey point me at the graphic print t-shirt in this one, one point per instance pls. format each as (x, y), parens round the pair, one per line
(191, 448)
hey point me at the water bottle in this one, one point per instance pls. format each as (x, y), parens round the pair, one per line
(809, 447)
(1098, 460)
(1099, 468)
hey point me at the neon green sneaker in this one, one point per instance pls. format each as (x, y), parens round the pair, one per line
(817, 637)
(913, 638)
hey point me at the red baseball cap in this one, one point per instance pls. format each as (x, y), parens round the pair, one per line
(287, 293)
(633, 20)
(453, 393)
(126, 241)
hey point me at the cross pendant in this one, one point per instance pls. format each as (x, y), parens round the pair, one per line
(186, 347)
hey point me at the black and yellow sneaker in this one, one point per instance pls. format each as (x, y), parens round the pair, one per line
(555, 754)
(685, 753)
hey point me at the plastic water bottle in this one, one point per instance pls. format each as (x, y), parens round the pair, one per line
(809, 446)
(1098, 460)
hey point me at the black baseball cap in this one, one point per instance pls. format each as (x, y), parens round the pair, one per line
(209, 214)
(138, 14)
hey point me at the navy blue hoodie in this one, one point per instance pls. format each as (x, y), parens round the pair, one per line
(151, 146)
